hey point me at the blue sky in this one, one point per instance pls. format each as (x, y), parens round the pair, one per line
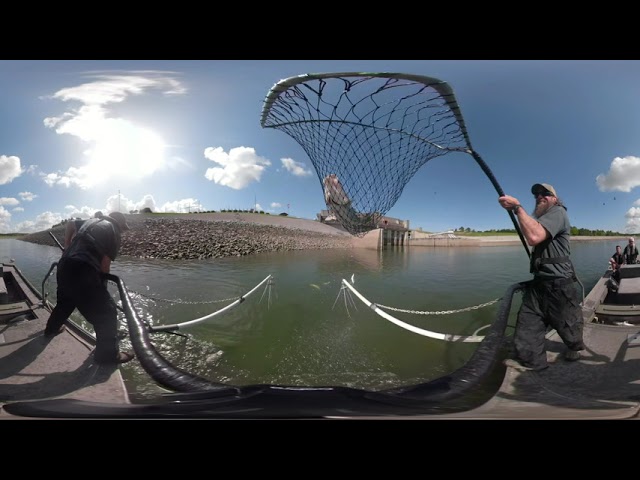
(79, 136)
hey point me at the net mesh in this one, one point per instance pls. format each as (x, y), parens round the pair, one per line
(366, 134)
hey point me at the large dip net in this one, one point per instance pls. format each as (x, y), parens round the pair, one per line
(367, 134)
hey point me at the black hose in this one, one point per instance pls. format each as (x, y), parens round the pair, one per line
(163, 372)
(474, 371)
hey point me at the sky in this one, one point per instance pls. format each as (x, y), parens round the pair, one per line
(184, 135)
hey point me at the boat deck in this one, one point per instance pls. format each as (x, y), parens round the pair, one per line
(603, 384)
(32, 368)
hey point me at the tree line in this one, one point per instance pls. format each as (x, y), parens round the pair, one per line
(575, 231)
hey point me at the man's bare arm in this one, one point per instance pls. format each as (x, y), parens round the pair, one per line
(531, 228)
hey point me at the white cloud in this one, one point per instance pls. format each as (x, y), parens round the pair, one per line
(240, 166)
(80, 212)
(623, 175)
(146, 202)
(8, 201)
(119, 203)
(275, 205)
(633, 219)
(295, 168)
(115, 88)
(115, 202)
(27, 196)
(5, 218)
(116, 147)
(186, 205)
(52, 179)
(42, 222)
(9, 168)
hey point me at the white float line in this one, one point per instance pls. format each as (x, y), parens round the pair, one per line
(427, 333)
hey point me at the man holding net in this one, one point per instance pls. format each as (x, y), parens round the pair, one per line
(551, 299)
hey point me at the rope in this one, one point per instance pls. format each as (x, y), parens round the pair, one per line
(238, 301)
(441, 312)
(420, 331)
(183, 302)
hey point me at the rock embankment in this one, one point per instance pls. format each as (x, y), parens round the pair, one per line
(183, 238)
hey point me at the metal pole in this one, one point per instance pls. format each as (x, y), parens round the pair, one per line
(56, 240)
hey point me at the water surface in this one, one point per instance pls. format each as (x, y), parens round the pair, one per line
(305, 331)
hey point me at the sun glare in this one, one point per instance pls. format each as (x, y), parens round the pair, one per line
(121, 149)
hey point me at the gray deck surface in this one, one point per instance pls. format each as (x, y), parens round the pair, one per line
(32, 368)
(603, 384)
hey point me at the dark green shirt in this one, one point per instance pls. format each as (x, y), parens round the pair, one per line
(630, 254)
(556, 222)
(96, 237)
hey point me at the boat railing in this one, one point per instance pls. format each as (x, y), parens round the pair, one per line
(45, 280)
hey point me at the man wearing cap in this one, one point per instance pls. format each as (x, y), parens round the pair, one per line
(630, 252)
(551, 298)
(81, 284)
(73, 226)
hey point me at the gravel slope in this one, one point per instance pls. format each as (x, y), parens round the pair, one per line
(214, 235)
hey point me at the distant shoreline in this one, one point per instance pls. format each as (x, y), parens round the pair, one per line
(223, 234)
(498, 240)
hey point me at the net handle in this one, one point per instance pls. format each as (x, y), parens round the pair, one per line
(488, 173)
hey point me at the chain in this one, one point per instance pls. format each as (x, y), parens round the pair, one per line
(443, 312)
(185, 302)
